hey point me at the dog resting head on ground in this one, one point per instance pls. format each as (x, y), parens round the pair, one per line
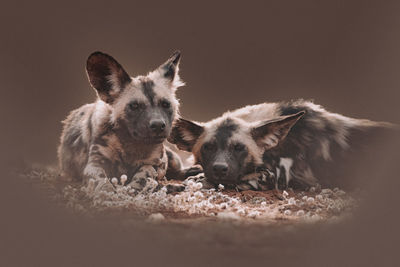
(274, 145)
(124, 130)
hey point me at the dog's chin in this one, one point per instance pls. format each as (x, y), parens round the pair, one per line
(148, 139)
(154, 140)
(158, 140)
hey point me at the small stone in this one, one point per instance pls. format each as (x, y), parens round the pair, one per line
(310, 200)
(285, 194)
(315, 217)
(226, 215)
(124, 178)
(253, 214)
(190, 183)
(114, 181)
(241, 212)
(340, 193)
(300, 213)
(155, 217)
(292, 201)
(221, 187)
(287, 212)
(198, 186)
(198, 194)
(258, 200)
(326, 191)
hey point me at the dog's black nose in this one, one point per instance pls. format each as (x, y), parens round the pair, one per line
(157, 126)
(220, 169)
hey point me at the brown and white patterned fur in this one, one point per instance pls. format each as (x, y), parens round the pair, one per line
(268, 145)
(124, 131)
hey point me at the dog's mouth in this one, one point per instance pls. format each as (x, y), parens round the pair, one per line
(153, 139)
(157, 139)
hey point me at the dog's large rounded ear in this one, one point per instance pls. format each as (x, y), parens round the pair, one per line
(106, 76)
(272, 132)
(170, 68)
(185, 134)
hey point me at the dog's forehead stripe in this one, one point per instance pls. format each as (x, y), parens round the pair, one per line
(147, 89)
(225, 131)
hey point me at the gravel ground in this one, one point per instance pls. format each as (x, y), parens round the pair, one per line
(195, 204)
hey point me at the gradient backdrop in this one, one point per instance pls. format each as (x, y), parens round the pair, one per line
(343, 54)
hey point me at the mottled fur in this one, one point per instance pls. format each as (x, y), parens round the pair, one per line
(294, 143)
(124, 131)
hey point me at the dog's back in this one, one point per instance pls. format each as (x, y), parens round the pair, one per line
(322, 147)
(79, 129)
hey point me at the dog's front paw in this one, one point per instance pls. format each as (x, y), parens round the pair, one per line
(193, 171)
(174, 188)
(199, 178)
(140, 179)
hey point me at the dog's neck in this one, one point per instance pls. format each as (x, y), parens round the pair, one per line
(136, 149)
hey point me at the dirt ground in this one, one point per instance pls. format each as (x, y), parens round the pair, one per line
(194, 204)
(65, 224)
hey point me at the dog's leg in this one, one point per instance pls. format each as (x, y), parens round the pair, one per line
(175, 170)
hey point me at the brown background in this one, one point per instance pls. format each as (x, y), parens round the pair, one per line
(343, 54)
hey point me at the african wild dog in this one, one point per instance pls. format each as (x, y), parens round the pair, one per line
(124, 131)
(297, 144)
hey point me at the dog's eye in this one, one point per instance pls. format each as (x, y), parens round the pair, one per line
(208, 147)
(165, 104)
(133, 105)
(239, 147)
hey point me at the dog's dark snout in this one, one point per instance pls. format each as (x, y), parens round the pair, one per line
(220, 169)
(157, 126)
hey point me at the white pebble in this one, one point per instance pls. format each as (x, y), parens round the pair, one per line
(340, 193)
(300, 213)
(123, 179)
(199, 186)
(156, 217)
(221, 187)
(198, 194)
(315, 217)
(310, 200)
(223, 206)
(285, 194)
(319, 197)
(253, 214)
(292, 201)
(114, 181)
(326, 191)
(226, 215)
(241, 211)
(287, 212)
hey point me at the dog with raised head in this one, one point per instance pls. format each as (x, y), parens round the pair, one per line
(124, 131)
(276, 145)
